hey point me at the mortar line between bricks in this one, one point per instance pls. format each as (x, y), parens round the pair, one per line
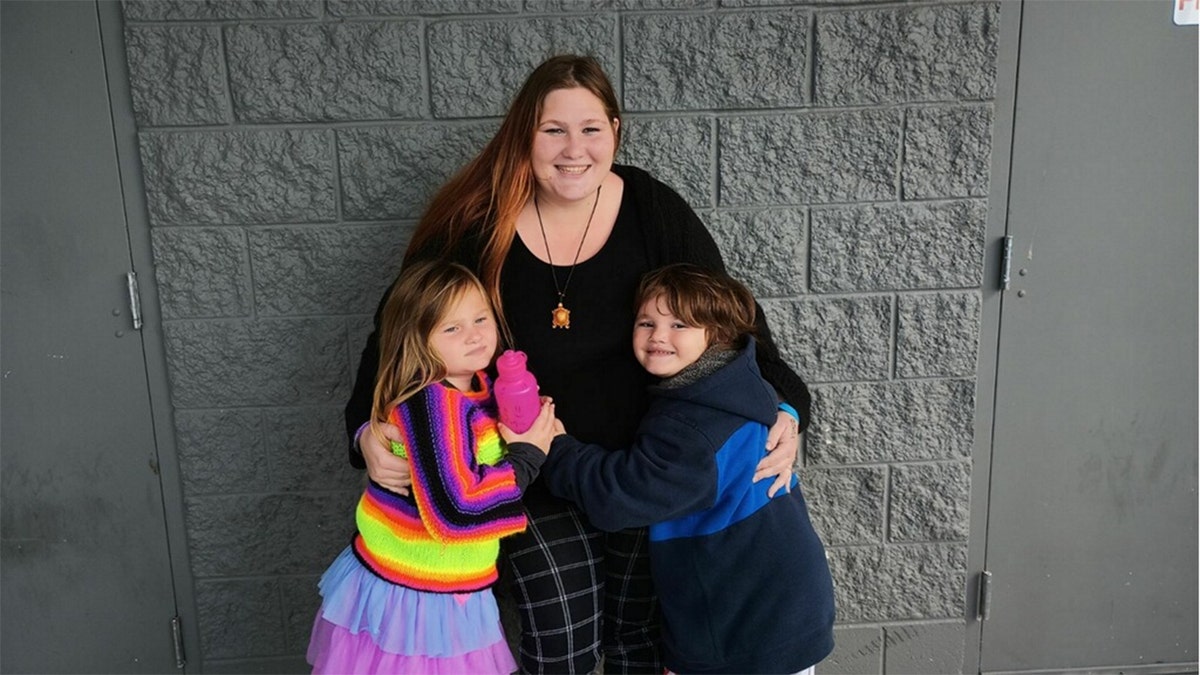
(893, 357)
(226, 83)
(851, 295)
(887, 504)
(900, 623)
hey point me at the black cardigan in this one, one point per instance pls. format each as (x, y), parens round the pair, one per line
(673, 233)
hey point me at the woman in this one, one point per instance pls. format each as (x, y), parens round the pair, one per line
(560, 237)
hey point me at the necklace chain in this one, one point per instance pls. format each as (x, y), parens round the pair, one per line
(561, 315)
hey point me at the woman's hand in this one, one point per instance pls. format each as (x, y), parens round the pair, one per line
(540, 434)
(383, 466)
(783, 444)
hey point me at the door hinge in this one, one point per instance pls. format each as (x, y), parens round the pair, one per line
(135, 300)
(177, 638)
(983, 603)
(1006, 263)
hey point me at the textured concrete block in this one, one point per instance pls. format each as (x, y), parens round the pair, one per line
(831, 339)
(676, 150)
(930, 502)
(846, 505)
(891, 247)
(724, 60)
(947, 152)
(937, 335)
(896, 55)
(176, 76)
(809, 158)
(308, 270)
(281, 665)
(208, 10)
(613, 5)
(476, 66)
(392, 172)
(764, 249)
(316, 72)
(895, 583)
(856, 651)
(224, 177)
(268, 533)
(300, 604)
(201, 272)
(891, 422)
(271, 362)
(239, 617)
(306, 450)
(419, 7)
(925, 649)
(221, 451)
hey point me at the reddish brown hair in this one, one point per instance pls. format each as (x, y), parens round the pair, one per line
(490, 191)
(707, 299)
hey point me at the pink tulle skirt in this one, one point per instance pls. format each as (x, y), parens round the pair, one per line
(368, 625)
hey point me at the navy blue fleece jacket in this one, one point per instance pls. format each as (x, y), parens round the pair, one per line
(742, 578)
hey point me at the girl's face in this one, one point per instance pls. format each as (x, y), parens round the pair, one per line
(573, 145)
(465, 338)
(662, 342)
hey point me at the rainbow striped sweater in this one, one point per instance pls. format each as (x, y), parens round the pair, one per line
(445, 536)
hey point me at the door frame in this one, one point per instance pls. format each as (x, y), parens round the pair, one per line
(137, 225)
(1003, 118)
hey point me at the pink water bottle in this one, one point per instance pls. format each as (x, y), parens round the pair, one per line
(516, 392)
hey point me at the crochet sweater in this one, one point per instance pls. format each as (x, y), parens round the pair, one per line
(445, 536)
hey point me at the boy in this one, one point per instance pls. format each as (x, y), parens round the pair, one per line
(741, 576)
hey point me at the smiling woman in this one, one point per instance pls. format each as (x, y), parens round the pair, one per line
(560, 237)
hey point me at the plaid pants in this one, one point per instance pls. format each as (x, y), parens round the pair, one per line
(581, 591)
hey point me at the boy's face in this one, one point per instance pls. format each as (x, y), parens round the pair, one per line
(663, 343)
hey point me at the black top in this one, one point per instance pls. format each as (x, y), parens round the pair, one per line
(598, 386)
(599, 389)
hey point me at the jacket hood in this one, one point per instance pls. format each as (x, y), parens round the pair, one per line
(737, 388)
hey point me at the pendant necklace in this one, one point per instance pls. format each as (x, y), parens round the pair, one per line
(561, 316)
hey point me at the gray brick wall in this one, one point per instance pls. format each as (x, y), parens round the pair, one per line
(838, 150)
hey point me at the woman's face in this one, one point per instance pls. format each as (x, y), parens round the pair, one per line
(573, 145)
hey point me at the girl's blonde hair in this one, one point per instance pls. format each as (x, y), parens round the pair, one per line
(703, 298)
(489, 192)
(418, 302)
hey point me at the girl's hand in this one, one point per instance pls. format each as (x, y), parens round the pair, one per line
(385, 468)
(540, 433)
(783, 444)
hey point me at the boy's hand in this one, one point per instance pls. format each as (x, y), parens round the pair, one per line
(540, 433)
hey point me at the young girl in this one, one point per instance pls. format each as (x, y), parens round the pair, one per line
(412, 592)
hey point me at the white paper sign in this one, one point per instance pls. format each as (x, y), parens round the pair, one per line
(1187, 12)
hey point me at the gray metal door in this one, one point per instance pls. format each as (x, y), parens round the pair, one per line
(1092, 518)
(86, 577)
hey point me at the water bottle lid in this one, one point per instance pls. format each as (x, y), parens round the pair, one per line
(511, 362)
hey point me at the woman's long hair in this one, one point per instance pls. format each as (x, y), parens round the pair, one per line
(415, 306)
(489, 192)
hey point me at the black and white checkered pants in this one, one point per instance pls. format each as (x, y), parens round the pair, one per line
(582, 592)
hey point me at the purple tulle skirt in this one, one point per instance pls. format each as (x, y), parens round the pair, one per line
(368, 625)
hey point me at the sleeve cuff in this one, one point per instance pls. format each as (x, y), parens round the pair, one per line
(358, 435)
(790, 410)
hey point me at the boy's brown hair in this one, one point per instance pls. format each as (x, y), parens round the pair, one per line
(703, 298)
